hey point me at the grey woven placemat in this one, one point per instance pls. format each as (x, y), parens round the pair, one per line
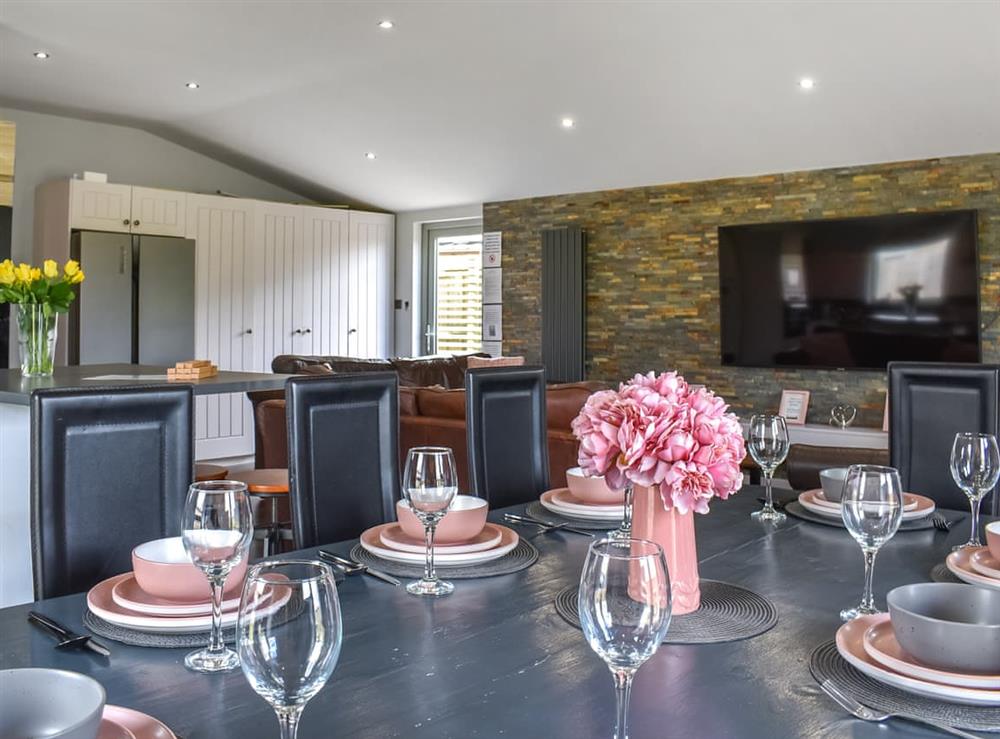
(795, 509)
(825, 663)
(941, 573)
(135, 638)
(519, 558)
(537, 510)
(728, 613)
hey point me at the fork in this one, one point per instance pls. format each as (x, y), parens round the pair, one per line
(865, 713)
(941, 523)
(545, 526)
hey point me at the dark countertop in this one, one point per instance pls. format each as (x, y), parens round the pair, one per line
(495, 660)
(17, 390)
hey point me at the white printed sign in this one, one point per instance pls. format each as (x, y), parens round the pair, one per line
(492, 247)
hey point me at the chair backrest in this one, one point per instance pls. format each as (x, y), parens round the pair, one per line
(110, 468)
(928, 405)
(506, 431)
(343, 468)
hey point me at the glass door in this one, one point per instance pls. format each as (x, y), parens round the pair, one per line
(453, 289)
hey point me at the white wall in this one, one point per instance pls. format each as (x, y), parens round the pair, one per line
(408, 263)
(50, 147)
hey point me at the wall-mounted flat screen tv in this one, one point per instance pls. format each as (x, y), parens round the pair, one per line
(850, 293)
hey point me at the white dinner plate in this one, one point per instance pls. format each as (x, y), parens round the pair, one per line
(393, 537)
(591, 513)
(960, 565)
(910, 501)
(372, 542)
(850, 644)
(925, 507)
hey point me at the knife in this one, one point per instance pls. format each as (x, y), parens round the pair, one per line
(351, 566)
(547, 525)
(67, 639)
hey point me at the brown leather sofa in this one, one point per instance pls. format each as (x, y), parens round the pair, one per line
(435, 416)
(446, 370)
(804, 462)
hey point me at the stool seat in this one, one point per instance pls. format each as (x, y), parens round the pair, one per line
(205, 472)
(272, 481)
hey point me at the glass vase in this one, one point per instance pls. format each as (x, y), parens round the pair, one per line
(36, 329)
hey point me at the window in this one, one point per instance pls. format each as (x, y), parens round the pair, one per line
(453, 289)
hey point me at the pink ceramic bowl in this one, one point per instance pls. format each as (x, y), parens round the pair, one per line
(592, 489)
(993, 539)
(162, 568)
(463, 521)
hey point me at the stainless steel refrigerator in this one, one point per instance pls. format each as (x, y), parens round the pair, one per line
(137, 303)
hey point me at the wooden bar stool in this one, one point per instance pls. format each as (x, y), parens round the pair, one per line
(270, 485)
(205, 472)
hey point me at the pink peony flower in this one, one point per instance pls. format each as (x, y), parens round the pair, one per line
(687, 487)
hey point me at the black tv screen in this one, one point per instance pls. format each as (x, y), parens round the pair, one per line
(850, 293)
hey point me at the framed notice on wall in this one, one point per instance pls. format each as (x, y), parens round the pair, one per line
(492, 246)
(794, 404)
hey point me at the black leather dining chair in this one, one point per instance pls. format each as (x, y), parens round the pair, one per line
(110, 468)
(506, 431)
(928, 404)
(343, 464)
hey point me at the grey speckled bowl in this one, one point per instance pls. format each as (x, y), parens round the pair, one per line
(949, 626)
(833, 480)
(37, 703)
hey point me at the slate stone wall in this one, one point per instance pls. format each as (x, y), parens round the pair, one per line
(652, 268)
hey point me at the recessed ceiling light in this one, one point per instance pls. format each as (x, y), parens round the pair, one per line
(807, 83)
(192, 85)
(568, 123)
(386, 24)
(41, 55)
(369, 155)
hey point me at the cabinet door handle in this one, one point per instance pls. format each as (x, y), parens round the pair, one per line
(352, 331)
(125, 222)
(248, 331)
(297, 331)
(135, 222)
(308, 331)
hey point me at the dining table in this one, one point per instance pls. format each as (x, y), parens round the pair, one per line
(494, 659)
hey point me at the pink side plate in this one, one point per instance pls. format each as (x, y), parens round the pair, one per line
(850, 645)
(880, 643)
(960, 565)
(111, 730)
(577, 510)
(371, 541)
(128, 594)
(910, 501)
(985, 563)
(138, 725)
(809, 500)
(564, 497)
(393, 536)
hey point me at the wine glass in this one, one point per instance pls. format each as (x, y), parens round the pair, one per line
(289, 634)
(624, 602)
(872, 509)
(430, 483)
(975, 467)
(624, 530)
(216, 530)
(768, 445)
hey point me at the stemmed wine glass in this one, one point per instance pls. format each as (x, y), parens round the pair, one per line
(289, 634)
(430, 483)
(216, 530)
(768, 445)
(624, 602)
(975, 468)
(624, 530)
(872, 509)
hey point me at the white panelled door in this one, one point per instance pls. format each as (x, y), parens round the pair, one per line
(326, 239)
(278, 233)
(100, 206)
(368, 274)
(223, 230)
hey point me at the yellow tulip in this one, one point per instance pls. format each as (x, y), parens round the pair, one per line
(6, 272)
(22, 273)
(77, 277)
(72, 267)
(50, 268)
(36, 274)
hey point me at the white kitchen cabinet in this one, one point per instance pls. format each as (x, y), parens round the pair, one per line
(158, 212)
(370, 269)
(279, 248)
(325, 254)
(226, 281)
(100, 206)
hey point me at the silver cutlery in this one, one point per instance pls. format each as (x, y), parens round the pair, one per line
(67, 639)
(350, 568)
(941, 523)
(545, 526)
(865, 713)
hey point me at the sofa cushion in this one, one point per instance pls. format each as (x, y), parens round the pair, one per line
(563, 402)
(421, 372)
(437, 402)
(291, 364)
(320, 368)
(475, 362)
(408, 401)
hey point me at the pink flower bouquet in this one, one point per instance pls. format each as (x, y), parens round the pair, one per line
(659, 432)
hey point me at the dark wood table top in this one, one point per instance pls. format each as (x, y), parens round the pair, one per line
(17, 390)
(495, 660)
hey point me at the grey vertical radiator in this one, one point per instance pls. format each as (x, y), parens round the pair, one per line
(564, 277)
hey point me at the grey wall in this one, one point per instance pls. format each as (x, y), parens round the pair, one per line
(50, 147)
(408, 263)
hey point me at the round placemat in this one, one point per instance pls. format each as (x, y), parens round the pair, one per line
(537, 510)
(728, 613)
(825, 663)
(125, 635)
(796, 509)
(519, 558)
(941, 573)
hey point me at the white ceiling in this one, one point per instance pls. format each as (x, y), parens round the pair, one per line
(462, 101)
